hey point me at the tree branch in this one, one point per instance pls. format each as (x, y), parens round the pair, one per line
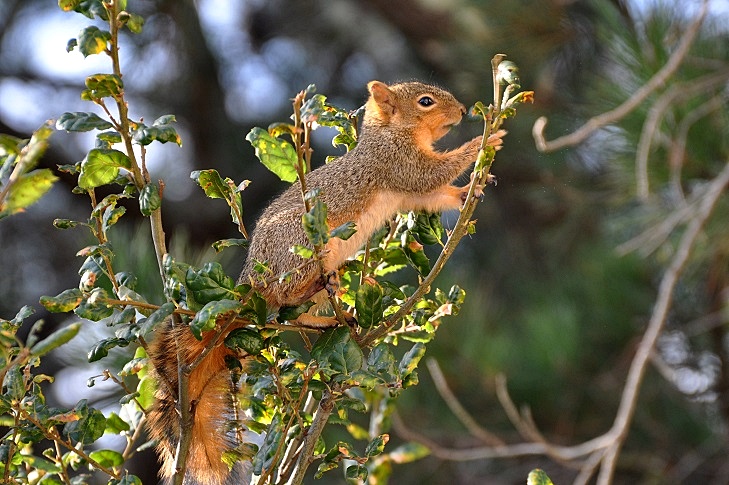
(597, 122)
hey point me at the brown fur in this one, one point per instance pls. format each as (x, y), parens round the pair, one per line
(394, 168)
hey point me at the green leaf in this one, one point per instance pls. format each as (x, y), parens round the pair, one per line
(56, 339)
(149, 199)
(289, 313)
(89, 8)
(208, 284)
(315, 225)
(411, 359)
(538, 477)
(427, 227)
(277, 155)
(101, 166)
(107, 458)
(205, 319)
(356, 472)
(126, 480)
(161, 131)
(377, 445)
(159, 315)
(102, 347)
(115, 424)
(212, 183)
(145, 390)
(414, 253)
(345, 231)
(132, 21)
(95, 308)
(381, 360)
(245, 338)
(14, 383)
(89, 427)
(336, 351)
(27, 190)
(102, 86)
(92, 40)
(82, 121)
(66, 301)
(368, 302)
(303, 251)
(408, 453)
(226, 243)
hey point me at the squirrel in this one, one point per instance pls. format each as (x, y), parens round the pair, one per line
(394, 168)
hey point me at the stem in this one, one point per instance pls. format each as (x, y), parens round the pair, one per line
(326, 406)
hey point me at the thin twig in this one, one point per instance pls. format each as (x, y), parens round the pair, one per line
(441, 385)
(638, 366)
(655, 115)
(597, 122)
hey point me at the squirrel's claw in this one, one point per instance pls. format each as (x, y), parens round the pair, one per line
(496, 139)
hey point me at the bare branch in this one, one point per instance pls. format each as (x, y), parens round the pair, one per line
(658, 318)
(597, 122)
(441, 385)
(655, 115)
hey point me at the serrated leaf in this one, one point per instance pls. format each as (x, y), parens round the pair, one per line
(66, 301)
(27, 190)
(205, 319)
(368, 303)
(149, 199)
(81, 121)
(277, 155)
(101, 166)
(245, 338)
(56, 339)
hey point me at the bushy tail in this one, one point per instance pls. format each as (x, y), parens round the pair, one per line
(211, 390)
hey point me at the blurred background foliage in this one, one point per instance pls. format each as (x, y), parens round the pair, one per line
(553, 303)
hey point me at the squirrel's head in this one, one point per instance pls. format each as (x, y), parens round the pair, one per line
(428, 111)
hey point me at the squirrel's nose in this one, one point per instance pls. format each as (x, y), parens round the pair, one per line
(463, 110)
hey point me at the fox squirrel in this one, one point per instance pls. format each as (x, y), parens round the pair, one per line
(393, 168)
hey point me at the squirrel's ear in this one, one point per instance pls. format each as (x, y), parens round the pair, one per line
(384, 98)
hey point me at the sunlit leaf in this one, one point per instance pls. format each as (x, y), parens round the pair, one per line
(56, 339)
(205, 318)
(101, 167)
(149, 199)
(64, 302)
(93, 40)
(277, 155)
(368, 302)
(81, 121)
(28, 189)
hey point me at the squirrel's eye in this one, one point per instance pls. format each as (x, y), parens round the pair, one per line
(426, 101)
